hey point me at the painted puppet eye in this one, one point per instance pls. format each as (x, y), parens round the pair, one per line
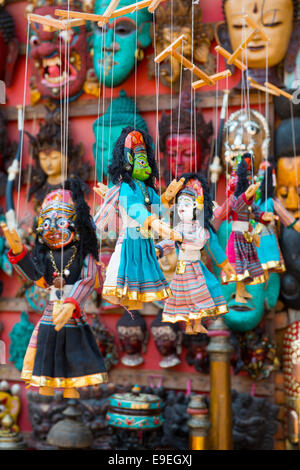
(34, 41)
(46, 224)
(62, 223)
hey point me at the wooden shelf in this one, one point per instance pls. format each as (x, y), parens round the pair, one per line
(174, 380)
(146, 103)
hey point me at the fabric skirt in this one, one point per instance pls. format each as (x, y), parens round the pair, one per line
(133, 275)
(69, 358)
(269, 252)
(196, 294)
(243, 256)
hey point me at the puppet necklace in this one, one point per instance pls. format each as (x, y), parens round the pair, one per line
(59, 280)
(145, 192)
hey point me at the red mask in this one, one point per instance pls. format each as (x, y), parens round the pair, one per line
(183, 153)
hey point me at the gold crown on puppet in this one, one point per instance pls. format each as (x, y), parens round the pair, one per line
(60, 200)
(194, 188)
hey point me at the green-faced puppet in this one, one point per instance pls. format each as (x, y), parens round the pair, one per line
(246, 316)
(119, 43)
(108, 127)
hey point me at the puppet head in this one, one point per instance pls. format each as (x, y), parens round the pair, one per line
(107, 128)
(184, 140)
(194, 200)
(168, 339)
(118, 44)
(133, 336)
(133, 157)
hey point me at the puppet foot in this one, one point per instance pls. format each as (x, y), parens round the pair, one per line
(189, 329)
(47, 391)
(71, 393)
(199, 328)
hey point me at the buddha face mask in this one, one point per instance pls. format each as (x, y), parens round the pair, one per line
(136, 155)
(276, 19)
(56, 226)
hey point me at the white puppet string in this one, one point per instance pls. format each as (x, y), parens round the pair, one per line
(156, 76)
(171, 97)
(179, 112)
(111, 97)
(135, 65)
(23, 119)
(267, 122)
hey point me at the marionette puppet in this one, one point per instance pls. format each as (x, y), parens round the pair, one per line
(241, 249)
(196, 292)
(62, 352)
(133, 275)
(268, 251)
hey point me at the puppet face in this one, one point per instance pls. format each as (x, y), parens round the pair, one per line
(276, 19)
(135, 153)
(131, 338)
(244, 133)
(116, 44)
(50, 50)
(183, 154)
(185, 208)
(288, 184)
(56, 221)
(51, 162)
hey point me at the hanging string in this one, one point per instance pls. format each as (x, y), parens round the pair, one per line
(156, 76)
(23, 119)
(111, 96)
(179, 113)
(135, 66)
(191, 110)
(171, 99)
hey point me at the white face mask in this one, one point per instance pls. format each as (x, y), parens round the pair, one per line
(185, 208)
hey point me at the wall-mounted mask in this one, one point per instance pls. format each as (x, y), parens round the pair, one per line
(184, 140)
(168, 339)
(133, 337)
(172, 19)
(276, 19)
(120, 43)
(245, 131)
(58, 58)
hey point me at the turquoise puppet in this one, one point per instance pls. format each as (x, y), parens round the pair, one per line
(119, 44)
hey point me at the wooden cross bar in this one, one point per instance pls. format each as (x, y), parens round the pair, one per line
(278, 90)
(110, 12)
(256, 85)
(214, 78)
(170, 50)
(240, 65)
(243, 45)
(53, 23)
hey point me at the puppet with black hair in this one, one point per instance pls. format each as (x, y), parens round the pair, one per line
(197, 294)
(241, 247)
(133, 275)
(268, 251)
(62, 352)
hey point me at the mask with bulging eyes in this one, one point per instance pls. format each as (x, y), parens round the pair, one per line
(135, 153)
(56, 223)
(245, 132)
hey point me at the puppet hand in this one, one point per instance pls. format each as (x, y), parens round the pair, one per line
(229, 269)
(173, 188)
(63, 315)
(165, 231)
(101, 189)
(12, 238)
(157, 252)
(250, 192)
(268, 216)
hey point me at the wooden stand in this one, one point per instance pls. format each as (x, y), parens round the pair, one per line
(219, 349)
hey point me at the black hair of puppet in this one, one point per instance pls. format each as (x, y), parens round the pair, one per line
(84, 226)
(208, 202)
(267, 186)
(117, 169)
(242, 174)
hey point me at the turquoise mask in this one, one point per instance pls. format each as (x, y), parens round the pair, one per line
(118, 44)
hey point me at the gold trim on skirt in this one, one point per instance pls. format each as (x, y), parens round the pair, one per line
(62, 382)
(243, 277)
(209, 312)
(277, 265)
(123, 296)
